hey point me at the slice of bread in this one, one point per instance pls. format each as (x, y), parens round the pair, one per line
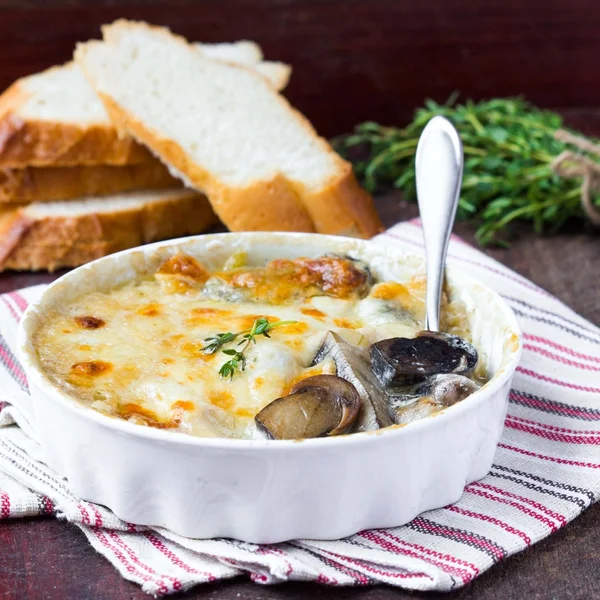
(243, 52)
(45, 184)
(55, 118)
(225, 131)
(68, 234)
(249, 54)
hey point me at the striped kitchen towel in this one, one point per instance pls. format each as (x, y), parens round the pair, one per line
(546, 470)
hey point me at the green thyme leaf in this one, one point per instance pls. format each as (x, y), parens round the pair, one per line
(261, 326)
(509, 146)
(216, 341)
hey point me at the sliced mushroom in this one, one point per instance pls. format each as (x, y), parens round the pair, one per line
(402, 361)
(430, 396)
(352, 364)
(449, 388)
(469, 362)
(317, 406)
(419, 408)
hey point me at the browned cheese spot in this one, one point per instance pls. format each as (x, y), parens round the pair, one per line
(185, 265)
(283, 279)
(222, 399)
(313, 312)
(89, 322)
(91, 368)
(150, 310)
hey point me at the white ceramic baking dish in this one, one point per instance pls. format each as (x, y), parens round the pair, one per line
(266, 491)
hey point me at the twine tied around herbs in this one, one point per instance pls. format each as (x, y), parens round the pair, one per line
(573, 164)
(521, 165)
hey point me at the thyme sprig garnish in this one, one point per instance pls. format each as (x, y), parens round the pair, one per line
(261, 326)
(510, 171)
(216, 341)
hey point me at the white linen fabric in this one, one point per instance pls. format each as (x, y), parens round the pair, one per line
(546, 470)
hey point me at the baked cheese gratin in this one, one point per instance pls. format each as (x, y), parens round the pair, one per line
(292, 349)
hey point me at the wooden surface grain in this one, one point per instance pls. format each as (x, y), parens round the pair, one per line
(353, 60)
(49, 560)
(44, 559)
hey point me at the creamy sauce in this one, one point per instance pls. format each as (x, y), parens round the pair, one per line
(136, 352)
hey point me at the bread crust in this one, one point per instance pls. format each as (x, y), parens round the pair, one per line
(276, 73)
(343, 207)
(339, 207)
(264, 206)
(46, 184)
(34, 142)
(38, 142)
(53, 242)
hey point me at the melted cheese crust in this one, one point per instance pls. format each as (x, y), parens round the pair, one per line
(136, 352)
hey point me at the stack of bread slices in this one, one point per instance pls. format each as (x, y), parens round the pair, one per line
(146, 137)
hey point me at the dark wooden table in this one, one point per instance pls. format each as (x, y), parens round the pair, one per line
(48, 559)
(353, 60)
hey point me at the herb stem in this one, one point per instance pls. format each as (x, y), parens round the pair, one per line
(238, 360)
(509, 146)
(474, 151)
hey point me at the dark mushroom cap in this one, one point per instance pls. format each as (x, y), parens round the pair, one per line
(352, 364)
(317, 406)
(401, 361)
(458, 343)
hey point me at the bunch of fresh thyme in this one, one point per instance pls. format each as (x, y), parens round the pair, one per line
(510, 172)
(261, 326)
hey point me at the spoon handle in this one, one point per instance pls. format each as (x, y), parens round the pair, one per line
(439, 167)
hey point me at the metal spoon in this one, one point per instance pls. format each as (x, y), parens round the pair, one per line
(406, 361)
(439, 168)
